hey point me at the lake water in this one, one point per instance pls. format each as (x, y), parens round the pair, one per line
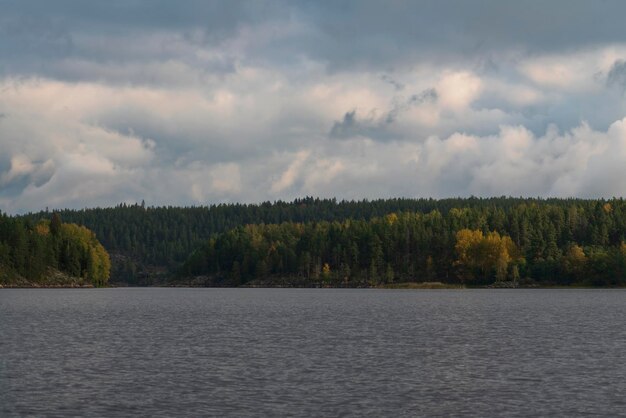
(312, 352)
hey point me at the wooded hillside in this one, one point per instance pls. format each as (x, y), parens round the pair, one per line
(49, 252)
(576, 243)
(547, 240)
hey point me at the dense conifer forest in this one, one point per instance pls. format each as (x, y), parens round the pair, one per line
(325, 242)
(50, 253)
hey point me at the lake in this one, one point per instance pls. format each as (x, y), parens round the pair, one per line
(312, 352)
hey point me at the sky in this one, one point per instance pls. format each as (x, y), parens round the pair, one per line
(200, 102)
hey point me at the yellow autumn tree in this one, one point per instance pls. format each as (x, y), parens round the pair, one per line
(92, 259)
(392, 218)
(484, 254)
(574, 261)
(466, 245)
(326, 277)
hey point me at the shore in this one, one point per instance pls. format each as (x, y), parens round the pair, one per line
(22, 284)
(46, 286)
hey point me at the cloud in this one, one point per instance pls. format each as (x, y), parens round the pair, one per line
(617, 75)
(347, 127)
(292, 174)
(513, 161)
(377, 125)
(354, 35)
(23, 172)
(373, 34)
(73, 157)
(209, 101)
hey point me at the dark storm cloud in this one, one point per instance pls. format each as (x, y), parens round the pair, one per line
(28, 43)
(127, 15)
(396, 84)
(35, 34)
(617, 75)
(347, 127)
(345, 34)
(383, 33)
(13, 181)
(375, 127)
(369, 127)
(427, 96)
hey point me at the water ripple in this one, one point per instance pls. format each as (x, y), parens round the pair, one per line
(312, 352)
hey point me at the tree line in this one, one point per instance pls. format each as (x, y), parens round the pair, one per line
(557, 242)
(549, 234)
(32, 252)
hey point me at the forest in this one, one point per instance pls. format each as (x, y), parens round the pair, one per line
(325, 242)
(50, 253)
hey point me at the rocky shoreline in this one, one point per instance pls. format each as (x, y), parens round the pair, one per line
(46, 286)
(55, 279)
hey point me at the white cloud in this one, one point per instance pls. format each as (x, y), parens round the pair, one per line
(458, 90)
(192, 121)
(225, 178)
(573, 71)
(291, 174)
